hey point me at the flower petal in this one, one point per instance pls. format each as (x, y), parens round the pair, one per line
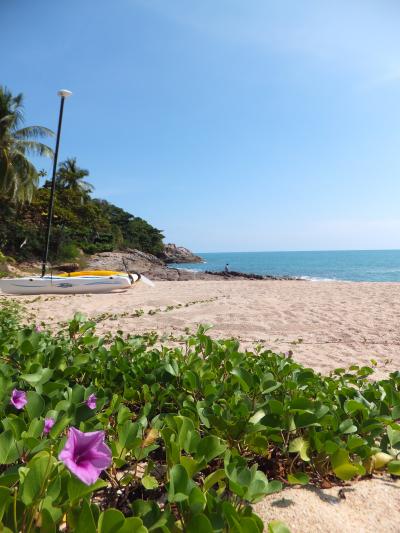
(18, 399)
(68, 451)
(84, 441)
(91, 401)
(85, 471)
(48, 424)
(100, 458)
(86, 454)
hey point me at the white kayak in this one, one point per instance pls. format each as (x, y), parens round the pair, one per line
(63, 284)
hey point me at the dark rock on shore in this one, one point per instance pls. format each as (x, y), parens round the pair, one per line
(178, 254)
(231, 274)
(68, 267)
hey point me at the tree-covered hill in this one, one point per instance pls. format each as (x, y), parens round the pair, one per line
(80, 222)
(91, 225)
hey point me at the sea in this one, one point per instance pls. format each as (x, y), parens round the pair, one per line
(348, 265)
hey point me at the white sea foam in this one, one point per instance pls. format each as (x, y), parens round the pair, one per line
(313, 278)
(189, 269)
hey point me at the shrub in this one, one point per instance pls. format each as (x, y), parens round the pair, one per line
(68, 252)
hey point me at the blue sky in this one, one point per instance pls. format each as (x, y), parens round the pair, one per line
(231, 125)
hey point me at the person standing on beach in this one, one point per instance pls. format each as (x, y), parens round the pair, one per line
(226, 269)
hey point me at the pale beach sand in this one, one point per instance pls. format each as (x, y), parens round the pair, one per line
(325, 324)
(338, 323)
(367, 506)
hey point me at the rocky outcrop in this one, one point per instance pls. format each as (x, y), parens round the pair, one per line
(231, 274)
(135, 260)
(178, 254)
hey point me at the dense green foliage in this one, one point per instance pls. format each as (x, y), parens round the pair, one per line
(197, 434)
(79, 223)
(18, 176)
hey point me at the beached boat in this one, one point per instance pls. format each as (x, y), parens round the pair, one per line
(74, 283)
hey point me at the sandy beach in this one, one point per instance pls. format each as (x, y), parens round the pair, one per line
(325, 324)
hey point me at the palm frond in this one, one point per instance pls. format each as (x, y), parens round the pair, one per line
(35, 148)
(86, 186)
(13, 105)
(4, 170)
(26, 178)
(33, 132)
(18, 176)
(6, 119)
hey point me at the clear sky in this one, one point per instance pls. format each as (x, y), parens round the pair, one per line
(232, 125)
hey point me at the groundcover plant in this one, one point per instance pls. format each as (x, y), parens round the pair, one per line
(120, 433)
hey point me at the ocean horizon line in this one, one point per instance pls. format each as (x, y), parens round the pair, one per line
(300, 251)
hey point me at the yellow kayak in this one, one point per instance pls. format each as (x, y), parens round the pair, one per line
(92, 273)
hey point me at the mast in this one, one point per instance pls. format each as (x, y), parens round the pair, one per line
(63, 94)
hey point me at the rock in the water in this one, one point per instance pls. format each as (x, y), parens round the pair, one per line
(231, 274)
(178, 254)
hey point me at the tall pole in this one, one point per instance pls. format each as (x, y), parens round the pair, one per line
(64, 94)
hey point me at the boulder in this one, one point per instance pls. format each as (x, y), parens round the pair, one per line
(135, 261)
(178, 254)
(67, 267)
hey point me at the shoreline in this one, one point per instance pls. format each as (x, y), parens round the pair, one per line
(206, 275)
(167, 268)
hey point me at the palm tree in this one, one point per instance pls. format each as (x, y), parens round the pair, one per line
(71, 177)
(18, 176)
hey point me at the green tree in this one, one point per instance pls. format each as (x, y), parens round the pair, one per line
(136, 232)
(18, 176)
(71, 177)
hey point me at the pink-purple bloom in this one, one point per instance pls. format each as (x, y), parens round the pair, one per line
(38, 329)
(91, 401)
(86, 454)
(18, 399)
(48, 424)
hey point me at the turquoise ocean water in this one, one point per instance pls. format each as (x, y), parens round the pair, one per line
(360, 265)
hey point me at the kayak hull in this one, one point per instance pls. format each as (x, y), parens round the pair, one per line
(67, 285)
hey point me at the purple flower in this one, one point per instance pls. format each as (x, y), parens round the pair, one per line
(18, 399)
(91, 401)
(48, 424)
(38, 329)
(86, 454)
